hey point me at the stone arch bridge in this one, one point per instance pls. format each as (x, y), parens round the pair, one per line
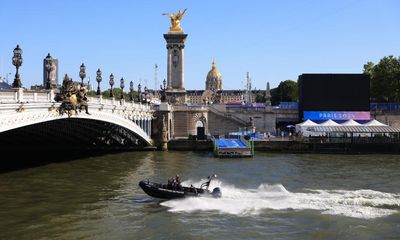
(32, 118)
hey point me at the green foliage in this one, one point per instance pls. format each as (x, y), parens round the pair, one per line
(287, 91)
(385, 79)
(116, 93)
(260, 98)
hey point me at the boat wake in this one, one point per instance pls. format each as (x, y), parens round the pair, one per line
(358, 204)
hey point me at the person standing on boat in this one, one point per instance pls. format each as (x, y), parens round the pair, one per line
(177, 178)
(178, 182)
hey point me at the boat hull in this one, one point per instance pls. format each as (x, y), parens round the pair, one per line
(160, 191)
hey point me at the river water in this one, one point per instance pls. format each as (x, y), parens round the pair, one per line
(269, 196)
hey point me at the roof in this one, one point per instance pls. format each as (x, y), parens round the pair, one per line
(374, 122)
(329, 123)
(214, 72)
(350, 122)
(307, 123)
(354, 129)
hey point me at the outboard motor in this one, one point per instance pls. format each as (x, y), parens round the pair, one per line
(216, 193)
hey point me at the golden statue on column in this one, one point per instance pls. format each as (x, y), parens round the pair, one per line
(175, 20)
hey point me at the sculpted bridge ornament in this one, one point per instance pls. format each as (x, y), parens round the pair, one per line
(134, 117)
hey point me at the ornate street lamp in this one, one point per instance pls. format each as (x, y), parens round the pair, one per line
(17, 62)
(139, 93)
(131, 91)
(122, 84)
(163, 87)
(82, 73)
(98, 79)
(48, 64)
(111, 85)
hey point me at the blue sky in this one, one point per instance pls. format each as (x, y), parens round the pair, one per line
(273, 40)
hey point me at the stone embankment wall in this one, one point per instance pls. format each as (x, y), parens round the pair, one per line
(219, 125)
(190, 145)
(294, 147)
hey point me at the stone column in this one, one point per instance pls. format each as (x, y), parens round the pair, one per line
(164, 137)
(175, 92)
(175, 60)
(150, 127)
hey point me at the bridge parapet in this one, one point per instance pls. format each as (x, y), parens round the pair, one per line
(19, 95)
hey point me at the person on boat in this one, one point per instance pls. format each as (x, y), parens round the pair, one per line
(193, 189)
(174, 183)
(169, 185)
(177, 178)
(177, 183)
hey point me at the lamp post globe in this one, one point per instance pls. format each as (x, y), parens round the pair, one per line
(122, 84)
(49, 65)
(111, 85)
(82, 73)
(98, 79)
(17, 62)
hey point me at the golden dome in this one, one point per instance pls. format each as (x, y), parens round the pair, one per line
(214, 72)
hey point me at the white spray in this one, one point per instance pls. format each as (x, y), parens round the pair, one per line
(358, 203)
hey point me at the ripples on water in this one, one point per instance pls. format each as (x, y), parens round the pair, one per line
(270, 196)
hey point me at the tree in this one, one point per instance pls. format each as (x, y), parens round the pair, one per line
(287, 91)
(260, 98)
(385, 79)
(116, 93)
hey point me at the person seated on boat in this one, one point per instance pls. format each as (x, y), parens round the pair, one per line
(193, 189)
(169, 184)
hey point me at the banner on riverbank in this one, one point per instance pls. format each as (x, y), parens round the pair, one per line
(333, 115)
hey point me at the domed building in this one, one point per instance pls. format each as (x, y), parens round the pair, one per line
(214, 78)
(214, 92)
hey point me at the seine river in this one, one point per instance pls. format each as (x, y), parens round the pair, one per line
(270, 196)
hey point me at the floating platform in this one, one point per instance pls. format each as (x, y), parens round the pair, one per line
(233, 148)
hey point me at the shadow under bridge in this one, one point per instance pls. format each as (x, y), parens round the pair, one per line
(74, 134)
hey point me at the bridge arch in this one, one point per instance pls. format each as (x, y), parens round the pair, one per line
(14, 121)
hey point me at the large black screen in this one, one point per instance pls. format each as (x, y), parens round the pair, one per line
(333, 92)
